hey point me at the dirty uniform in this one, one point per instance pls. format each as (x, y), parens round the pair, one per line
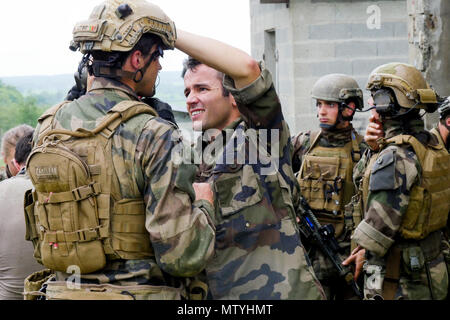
(399, 264)
(176, 234)
(258, 252)
(323, 162)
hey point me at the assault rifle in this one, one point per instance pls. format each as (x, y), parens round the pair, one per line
(323, 237)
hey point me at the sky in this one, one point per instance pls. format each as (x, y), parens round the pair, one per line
(36, 34)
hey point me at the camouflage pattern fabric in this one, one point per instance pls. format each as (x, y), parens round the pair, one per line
(393, 175)
(258, 252)
(180, 231)
(334, 287)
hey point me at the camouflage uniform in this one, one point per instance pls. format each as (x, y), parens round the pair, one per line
(258, 252)
(395, 172)
(180, 232)
(326, 273)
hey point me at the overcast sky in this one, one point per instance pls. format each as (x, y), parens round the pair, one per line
(36, 33)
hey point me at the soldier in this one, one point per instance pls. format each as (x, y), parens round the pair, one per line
(111, 205)
(443, 128)
(258, 253)
(324, 161)
(406, 187)
(9, 141)
(16, 254)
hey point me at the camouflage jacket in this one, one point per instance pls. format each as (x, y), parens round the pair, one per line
(385, 206)
(258, 252)
(180, 231)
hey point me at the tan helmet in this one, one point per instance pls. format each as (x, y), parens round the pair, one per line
(409, 86)
(338, 88)
(117, 25)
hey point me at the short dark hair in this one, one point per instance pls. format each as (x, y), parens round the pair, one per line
(23, 148)
(191, 64)
(116, 59)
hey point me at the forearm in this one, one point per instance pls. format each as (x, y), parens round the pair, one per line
(241, 67)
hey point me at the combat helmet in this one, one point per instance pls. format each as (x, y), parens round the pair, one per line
(338, 88)
(117, 25)
(410, 88)
(444, 108)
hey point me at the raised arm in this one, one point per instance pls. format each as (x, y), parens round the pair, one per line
(237, 64)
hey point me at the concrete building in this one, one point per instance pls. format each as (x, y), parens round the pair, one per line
(302, 40)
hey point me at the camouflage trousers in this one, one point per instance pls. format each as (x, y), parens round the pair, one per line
(422, 276)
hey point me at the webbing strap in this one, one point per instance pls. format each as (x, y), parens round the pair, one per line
(134, 207)
(76, 236)
(77, 194)
(391, 279)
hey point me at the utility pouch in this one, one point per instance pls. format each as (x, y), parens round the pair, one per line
(33, 284)
(413, 261)
(31, 232)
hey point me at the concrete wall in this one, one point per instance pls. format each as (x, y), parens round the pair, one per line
(429, 44)
(318, 37)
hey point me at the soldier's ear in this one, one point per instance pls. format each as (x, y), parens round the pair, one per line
(233, 102)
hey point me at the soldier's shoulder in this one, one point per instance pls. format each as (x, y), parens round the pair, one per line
(301, 139)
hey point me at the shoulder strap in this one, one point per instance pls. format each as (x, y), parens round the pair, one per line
(314, 137)
(46, 119)
(356, 150)
(122, 112)
(435, 132)
(419, 148)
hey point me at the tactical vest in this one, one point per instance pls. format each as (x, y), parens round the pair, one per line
(429, 202)
(326, 179)
(76, 214)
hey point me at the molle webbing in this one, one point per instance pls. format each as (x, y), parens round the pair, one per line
(326, 179)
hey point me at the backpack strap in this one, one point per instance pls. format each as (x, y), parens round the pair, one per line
(121, 113)
(46, 119)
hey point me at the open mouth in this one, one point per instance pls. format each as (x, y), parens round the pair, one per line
(196, 113)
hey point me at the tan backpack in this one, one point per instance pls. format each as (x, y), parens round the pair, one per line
(76, 215)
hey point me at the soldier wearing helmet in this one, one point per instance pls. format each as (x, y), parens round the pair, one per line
(405, 185)
(324, 161)
(111, 207)
(443, 128)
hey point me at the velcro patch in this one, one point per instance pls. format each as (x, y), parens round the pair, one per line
(383, 172)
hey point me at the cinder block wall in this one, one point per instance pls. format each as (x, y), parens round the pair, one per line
(318, 37)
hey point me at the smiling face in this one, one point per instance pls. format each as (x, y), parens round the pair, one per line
(206, 104)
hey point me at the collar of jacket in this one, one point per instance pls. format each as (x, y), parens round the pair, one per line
(111, 84)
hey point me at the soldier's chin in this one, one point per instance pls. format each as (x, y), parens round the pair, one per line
(197, 125)
(326, 126)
